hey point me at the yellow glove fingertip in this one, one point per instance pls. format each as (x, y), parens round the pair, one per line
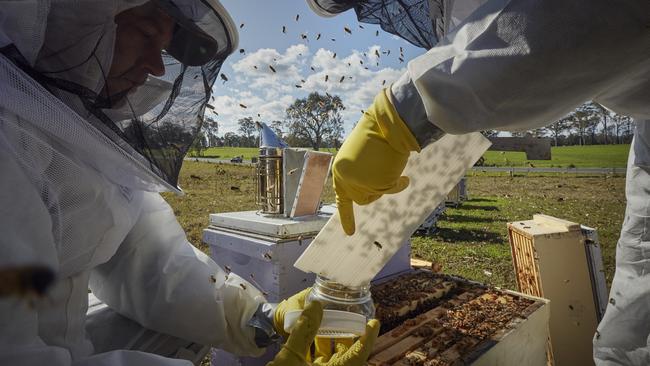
(313, 311)
(372, 328)
(346, 214)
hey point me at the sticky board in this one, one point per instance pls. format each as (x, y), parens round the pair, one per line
(384, 225)
(293, 161)
(312, 181)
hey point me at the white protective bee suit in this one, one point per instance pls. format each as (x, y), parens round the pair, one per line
(75, 201)
(523, 64)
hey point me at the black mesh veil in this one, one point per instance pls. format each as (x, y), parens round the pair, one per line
(159, 117)
(164, 134)
(421, 22)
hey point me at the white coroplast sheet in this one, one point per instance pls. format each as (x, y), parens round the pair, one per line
(383, 226)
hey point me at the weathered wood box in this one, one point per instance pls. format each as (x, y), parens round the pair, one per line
(431, 319)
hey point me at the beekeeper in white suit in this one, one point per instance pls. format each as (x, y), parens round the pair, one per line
(518, 65)
(99, 101)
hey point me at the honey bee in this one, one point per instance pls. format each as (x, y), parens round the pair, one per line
(26, 281)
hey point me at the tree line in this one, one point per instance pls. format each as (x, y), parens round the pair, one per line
(589, 124)
(316, 122)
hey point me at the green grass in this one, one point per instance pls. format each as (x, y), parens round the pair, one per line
(471, 240)
(231, 152)
(590, 156)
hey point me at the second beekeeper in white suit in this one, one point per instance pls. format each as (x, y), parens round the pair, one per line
(514, 65)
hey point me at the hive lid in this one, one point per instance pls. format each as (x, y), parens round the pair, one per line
(545, 224)
(275, 226)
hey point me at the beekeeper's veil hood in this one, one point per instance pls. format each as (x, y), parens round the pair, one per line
(423, 23)
(85, 53)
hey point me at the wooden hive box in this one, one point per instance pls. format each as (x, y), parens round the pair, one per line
(432, 319)
(557, 260)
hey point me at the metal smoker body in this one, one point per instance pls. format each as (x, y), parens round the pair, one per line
(269, 196)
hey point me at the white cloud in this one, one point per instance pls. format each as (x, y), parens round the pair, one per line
(268, 94)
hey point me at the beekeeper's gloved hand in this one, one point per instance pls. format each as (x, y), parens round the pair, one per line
(295, 302)
(372, 158)
(355, 355)
(294, 351)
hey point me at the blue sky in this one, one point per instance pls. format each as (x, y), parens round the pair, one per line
(269, 93)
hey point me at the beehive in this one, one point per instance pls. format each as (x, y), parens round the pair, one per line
(432, 319)
(560, 260)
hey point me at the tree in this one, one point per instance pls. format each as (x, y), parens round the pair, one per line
(276, 126)
(316, 119)
(619, 122)
(604, 115)
(199, 145)
(247, 128)
(582, 119)
(211, 129)
(231, 139)
(557, 128)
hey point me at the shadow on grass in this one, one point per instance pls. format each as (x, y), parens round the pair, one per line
(465, 206)
(463, 235)
(464, 218)
(480, 200)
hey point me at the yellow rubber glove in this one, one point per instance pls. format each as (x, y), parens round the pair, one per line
(357, 354)
(371, 160)
(294, 352)
(295, 302)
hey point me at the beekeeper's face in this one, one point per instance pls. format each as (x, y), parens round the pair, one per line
(142, 33)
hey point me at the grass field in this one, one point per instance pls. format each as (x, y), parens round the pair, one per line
(231, 152)
(471, 240)
(591, 156)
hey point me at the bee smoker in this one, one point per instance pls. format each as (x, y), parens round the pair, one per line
(269, 181)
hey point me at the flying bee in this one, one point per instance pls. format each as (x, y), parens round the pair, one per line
(377, 244)
(25, 282)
